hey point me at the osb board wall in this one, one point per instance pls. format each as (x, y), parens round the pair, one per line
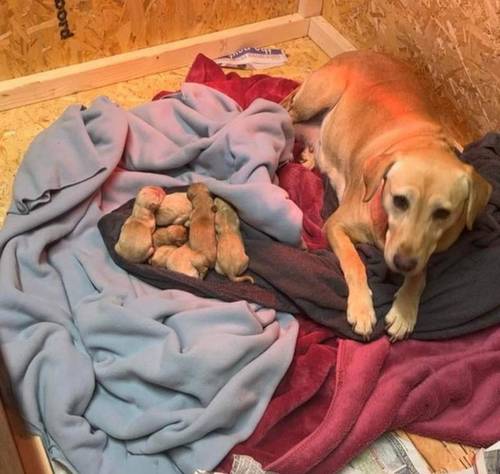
(37, 35)
(454, 45)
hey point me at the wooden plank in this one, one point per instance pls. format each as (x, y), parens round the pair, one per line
(308, 8)
(20, 451)
(9, 456)
(442, 456)
(101, 28)
(92, 74)
(33, 455)
(328, 38)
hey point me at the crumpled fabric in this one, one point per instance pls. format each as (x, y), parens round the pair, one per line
(114, 374)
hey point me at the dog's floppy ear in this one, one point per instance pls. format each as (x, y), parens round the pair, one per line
(374, 171)
(479, 195)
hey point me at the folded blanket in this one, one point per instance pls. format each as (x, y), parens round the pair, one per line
(117, 375)
(339, 396)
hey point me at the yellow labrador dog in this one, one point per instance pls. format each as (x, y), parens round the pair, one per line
(399, 184)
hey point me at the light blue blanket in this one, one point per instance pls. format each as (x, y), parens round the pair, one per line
(118, 376)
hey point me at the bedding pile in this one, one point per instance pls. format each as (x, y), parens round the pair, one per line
(117, 375)
(122, 374)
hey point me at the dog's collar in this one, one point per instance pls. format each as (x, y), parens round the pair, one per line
(378, 216)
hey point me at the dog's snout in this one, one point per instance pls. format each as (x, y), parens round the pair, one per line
(404, 264)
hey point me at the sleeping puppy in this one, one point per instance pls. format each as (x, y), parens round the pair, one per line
(399, 183)
(202, 222)
(180, 259)
(174, 209)
(188, 261)
(161, 254)
(232, 260)
(171, 235)
(135, 243)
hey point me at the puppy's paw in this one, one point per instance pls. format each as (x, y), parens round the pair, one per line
(400, 322)
(307, 158)
(361, 315)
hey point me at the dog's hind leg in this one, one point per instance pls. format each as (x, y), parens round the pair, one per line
(320, 91)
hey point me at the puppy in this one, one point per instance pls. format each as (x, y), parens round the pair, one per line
(188, 261)
(399, 183)
(135, 243)
(232, 260)
(202, 222)
(180, 259)
(170, 235)
(161, 254)
(174, 209)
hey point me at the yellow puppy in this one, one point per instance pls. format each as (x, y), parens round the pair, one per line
(188, 261)
(170, 235)
(180, 259)
(202, 222)
(174, 209)
(232, 260)
(161, 254)
(135, 243)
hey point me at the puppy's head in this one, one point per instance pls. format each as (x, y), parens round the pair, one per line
(150, 197)
(226, 217)
(197, 189)
(428, 196)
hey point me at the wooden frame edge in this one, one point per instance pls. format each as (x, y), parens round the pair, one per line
(308, 8)
(89, 75)
(328, 38)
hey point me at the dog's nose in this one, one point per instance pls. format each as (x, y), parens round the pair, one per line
(404, 264)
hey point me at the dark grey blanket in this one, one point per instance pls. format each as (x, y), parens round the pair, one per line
(460, 297)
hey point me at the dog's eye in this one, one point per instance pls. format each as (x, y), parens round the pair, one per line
(441, 214)
(401, 202)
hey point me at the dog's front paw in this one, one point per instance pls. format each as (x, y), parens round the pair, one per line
(400, 321)
(361, 315)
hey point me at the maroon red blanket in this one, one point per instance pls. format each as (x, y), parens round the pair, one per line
(340, 395)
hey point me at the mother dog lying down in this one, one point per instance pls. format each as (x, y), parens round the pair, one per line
(398, 181)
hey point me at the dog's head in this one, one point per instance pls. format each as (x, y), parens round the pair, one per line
(429, 196)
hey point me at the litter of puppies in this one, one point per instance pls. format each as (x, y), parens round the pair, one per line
(187, 232)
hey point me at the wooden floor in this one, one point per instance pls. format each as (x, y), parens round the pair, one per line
(19, 126)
